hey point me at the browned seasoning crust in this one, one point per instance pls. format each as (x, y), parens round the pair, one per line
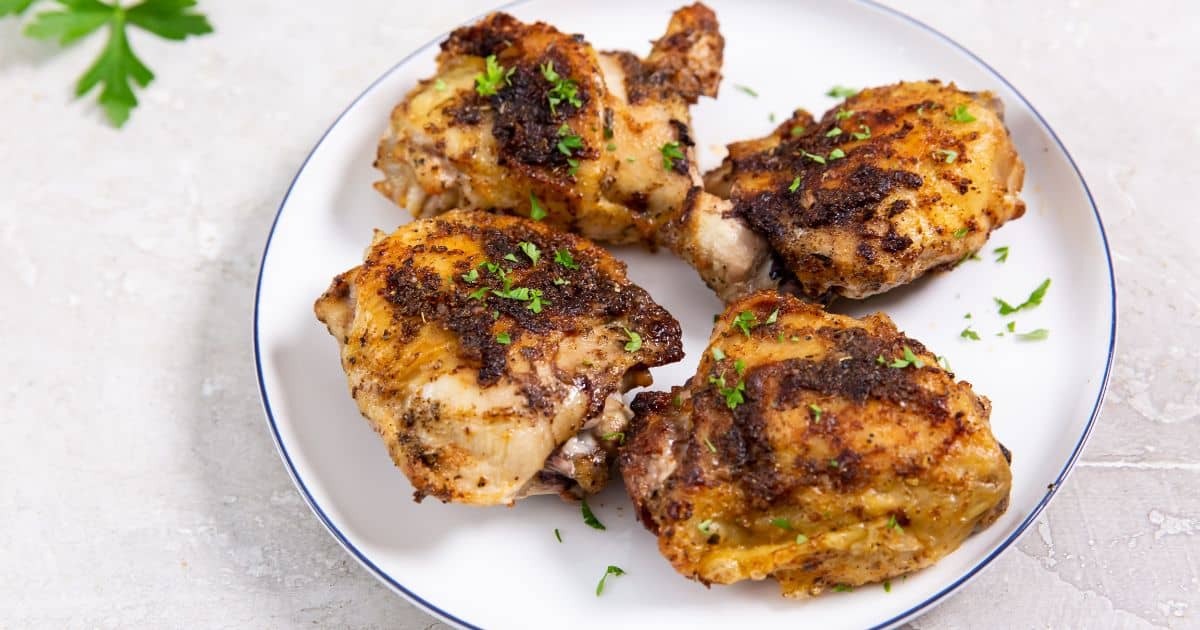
(473, 387)
(836, 469)
(916, 189)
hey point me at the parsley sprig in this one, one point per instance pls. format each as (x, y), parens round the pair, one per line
(568, 144)
(611, 570)
(117, 66)
(671, 152)
(493, 78)
(561, 88)
(1034, 299)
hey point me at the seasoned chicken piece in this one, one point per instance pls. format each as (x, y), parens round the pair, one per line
(817, 449)
(490, 354)
(523, 119)
(892, 183)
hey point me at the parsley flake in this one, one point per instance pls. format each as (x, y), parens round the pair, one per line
(961, 232)
(894, 524)
(705, 526)
(887, 586)
(836, 131)
(503, 338)
(839, 91)
(842, 588)
(557, 535)
(862, 135)
(635, 340)
(568, 142)
(536, 211)
(747, 90)
(478, 294)
(530, 250)
(535, 301)
(745, 321)
(560, 282)
(488, 82)
(797, 130)
(967, 333)
(619, 436)
(611, 147)
(718, 354)
(471, 277)
(837, 154)
(564, 258)
(1001, 253)
(962, 115)
(561, 89)
(781, 523)
(677, 401)
(1012, 326)
(709, 444)
(671, 152)
(772, 318)
(1034, 335)
(812, 156)
(1034, 299)
(909, 359)
(801, 539)
(510, 257)
(589, 518)
(611, 570)
(794, 185)
(816, 412)
(843, 114)
(439, 85)
(948, 156)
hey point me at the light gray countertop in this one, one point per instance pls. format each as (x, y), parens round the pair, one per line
(139, 485)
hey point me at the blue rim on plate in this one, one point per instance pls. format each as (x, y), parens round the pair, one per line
(908, 614)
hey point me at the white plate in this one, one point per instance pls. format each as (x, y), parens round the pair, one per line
(503, 567)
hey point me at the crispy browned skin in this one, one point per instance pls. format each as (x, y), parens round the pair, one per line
(836, 469)
(448, 146)
(467, 417)
(922, 192)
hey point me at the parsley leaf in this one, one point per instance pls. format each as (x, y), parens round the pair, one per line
(536, 211)
(611, 570)
(816, 412)
(569, 142)
(561, 89)
(564, 258)
(718, 354)
(948, 156)
(797, 130)
(842, 588)
(862, 135)
(781, 523)
(837, 154)
(478, 294)
(1001, 253)
(488, 82)
(894, 524)
(745, 321)
(1035, 299)
(1034, 335)
(117, 64)
(619, 436)
(1012, 326)
(801, 539)
(530, 250)
(471, 277)
(709, 444)
(843, 114)
(535, 301)
(772, 318)
(961, 232)
(671, 152)
(909, 359)
(839, 91)
(812, 156)
(747, 90)
(588, 517)
(705, 526)
(635, 340)
(961, 114)
(967, 333)
(836, 131)
(440, 86)
(503, 338)
(794, 185)
(557, 535)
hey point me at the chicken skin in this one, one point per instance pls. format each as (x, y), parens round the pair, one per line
(821, 450)
(527, 120)
(490, 354)
(894, 182)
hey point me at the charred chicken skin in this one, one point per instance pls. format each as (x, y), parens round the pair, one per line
(527, 120)
(820, 450)
(490, 354)
(892, 183)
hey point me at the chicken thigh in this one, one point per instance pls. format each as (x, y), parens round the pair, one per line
(818, 449)
(894, 182)
(490, 354)
(527, 120)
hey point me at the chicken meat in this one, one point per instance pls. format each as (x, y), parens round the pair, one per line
(490, 354)
(894, 182)
(821, 450)
(527, 120)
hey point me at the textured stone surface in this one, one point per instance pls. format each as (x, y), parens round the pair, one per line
(139, 487)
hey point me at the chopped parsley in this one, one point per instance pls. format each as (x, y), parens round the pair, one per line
(797, 130)
(536, 211)
(561, 89)
(635, 341)
(947, 155)
(794, 185)
(1035, 335)
(837, 154)
(568, 142)
(747, 90)
(677, 401)
(745, 321)
(894, 524)
(564, 258)
(589, 518)
(967, 316)
(812, 156)
(488, 82)
(557, 535)
(611, 147)
(705, 526)
(842, 588)
(739, 366)
(708, 443)
(479, 294)
(439, 85)
(887, 586)
(611, 570)
(781, 523)
(535, 301)
(1012, 326)
(843, 114)
(967, 333)
(816, 412)
(718, 354)
(560, 282)
(861, 135)
(962, 115)
(510, 257)
(503, 338)
(530, 250)
(772, 318)
(734, 396)
(836, 131)
(839, 91)
(619, 436)
(945, 363)
(961, 232)
(909, 359)
(671, 152)
(1034, 299)
(1001, 253)
(833, 463)
(801, 539)
(471, 277)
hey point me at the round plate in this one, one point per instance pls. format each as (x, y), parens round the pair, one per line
(503, 567)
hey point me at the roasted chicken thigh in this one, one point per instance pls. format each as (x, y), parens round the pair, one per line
(527, 120)
(490, 354)
(892, 183)
(818, 449)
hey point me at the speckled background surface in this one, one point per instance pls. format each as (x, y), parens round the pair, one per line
(138, 483)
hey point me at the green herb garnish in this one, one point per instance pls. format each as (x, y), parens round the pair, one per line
(747, 90)
(836, 131)
(837, 154)
(812, 156)
(801, 539)
(961, 232)
(616, 435)
(561, 89)
(1035, 335)
(794, 185)
(962, 115)
(894, 524)
(588, 517)
(611, 570)
(862, 135)
(839, 91)
(1034, 299)
(797, 130)
(557, 535)
(781, 523)
(967, 333)
(488, 82)
(1001, 253)
(843, 114)
(705, 526)
(948, 156)
(471, 277)
(635, 341)
(564, 258)
(718, 354)
(708, 443)
(671, 152)
(503, 338)
(909, 359)
(745, 321)
(816, 412)
(530, 250)
(536, 211)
